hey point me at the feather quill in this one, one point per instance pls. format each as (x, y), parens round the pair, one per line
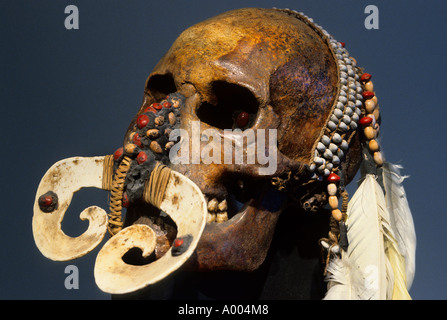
(372, 267)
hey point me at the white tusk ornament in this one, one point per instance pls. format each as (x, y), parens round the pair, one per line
(62, 180)
(184, 202)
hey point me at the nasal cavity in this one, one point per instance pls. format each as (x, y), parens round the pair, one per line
(160, 85)
(233, 107)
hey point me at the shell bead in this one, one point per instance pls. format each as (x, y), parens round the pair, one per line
(376, 113)
(130, 148)
(343, 127)
(331, 125)
(369, 86)
(378, 158)
(155, 147)
(319, 161)
(370, 105)
(373, 145)
(335, 160)
(344, 145)
(333, 147)
(338, 113)
(369, 133)
(337, 138)
(325, 140)
(171, 118)
(332, 189)
(321, 147)
(153, 133)
(333, 202)
(337, 215)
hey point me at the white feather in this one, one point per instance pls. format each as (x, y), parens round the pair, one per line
(366, 259)
(345, 282)
(401, 219)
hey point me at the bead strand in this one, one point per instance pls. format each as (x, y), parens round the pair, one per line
(332, 189)
(369, 122)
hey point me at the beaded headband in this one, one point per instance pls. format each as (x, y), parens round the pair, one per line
(356, 104)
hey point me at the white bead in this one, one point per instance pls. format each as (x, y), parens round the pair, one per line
(321, 147)
(346, 119)
(319, 161)
(342, 126)
(331, 125)
(338, 113)
(328, 154)
(344, 145)
(333, 147)
(332, 189)
(335, 160)
(336, 138)
(325, 140)
(334, 119)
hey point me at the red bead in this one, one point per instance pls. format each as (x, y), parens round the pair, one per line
(367, 95)
(157, 106)
(166, 104)
(118, 153)
(142, 121)
(178, 242)
(150, 109)
(136, 139)
(125, 201)
(342, 44)
(242, 119)
(365, 121)
(333, 177)
(46, 201)
(365, 77)
(141, 157)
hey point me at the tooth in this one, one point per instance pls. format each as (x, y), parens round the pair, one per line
(222, 206)
(212, 205)
(221, 217)
(211, 217)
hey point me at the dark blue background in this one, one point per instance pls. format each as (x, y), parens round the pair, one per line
(71, 93)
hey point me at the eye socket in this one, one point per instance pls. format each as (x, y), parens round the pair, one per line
(235, 107)
(160, 85)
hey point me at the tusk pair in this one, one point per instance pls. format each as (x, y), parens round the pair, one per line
(180, 198)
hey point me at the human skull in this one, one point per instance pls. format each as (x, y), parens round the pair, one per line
(248, 70)
(278, 70)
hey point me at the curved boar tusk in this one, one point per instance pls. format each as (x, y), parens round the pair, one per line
(53, 198)
(185, 204)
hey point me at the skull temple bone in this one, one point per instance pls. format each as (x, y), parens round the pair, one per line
(247, 69)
